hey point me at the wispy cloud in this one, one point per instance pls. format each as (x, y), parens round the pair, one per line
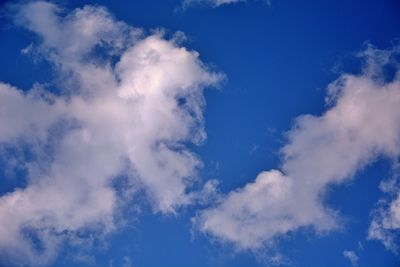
(125, 106)
(385, 223)
(351, 256)
(361, 123)
(210, 3)
(213, 3)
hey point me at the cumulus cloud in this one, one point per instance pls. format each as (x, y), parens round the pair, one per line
(361, 123)
(351, 256)
(124, 106)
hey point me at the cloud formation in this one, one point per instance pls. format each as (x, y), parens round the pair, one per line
(385, 223)
(213, 3)
(361, 124)
(123, 109)
(351, 256)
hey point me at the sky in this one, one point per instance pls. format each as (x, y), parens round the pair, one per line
(200, 133)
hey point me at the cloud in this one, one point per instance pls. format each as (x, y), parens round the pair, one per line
(127, 262)
(213, 3)
(361, 124)
(123, 108)
(351, 256)
(385, 222)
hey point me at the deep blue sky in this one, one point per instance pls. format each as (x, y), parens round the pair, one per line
(278, 60)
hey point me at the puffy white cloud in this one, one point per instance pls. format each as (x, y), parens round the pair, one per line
(256, 213)
(351, 256)
(125, 106)
(361, 123)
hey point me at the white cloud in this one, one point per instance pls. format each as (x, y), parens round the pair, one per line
(361, 123)
(125, 105)
(213, 3)
(385, 223)
(127, 262)
(351, 256)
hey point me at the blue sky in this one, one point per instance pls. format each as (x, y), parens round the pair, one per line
(200, 133)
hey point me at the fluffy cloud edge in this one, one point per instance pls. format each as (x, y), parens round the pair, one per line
(122, 115)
